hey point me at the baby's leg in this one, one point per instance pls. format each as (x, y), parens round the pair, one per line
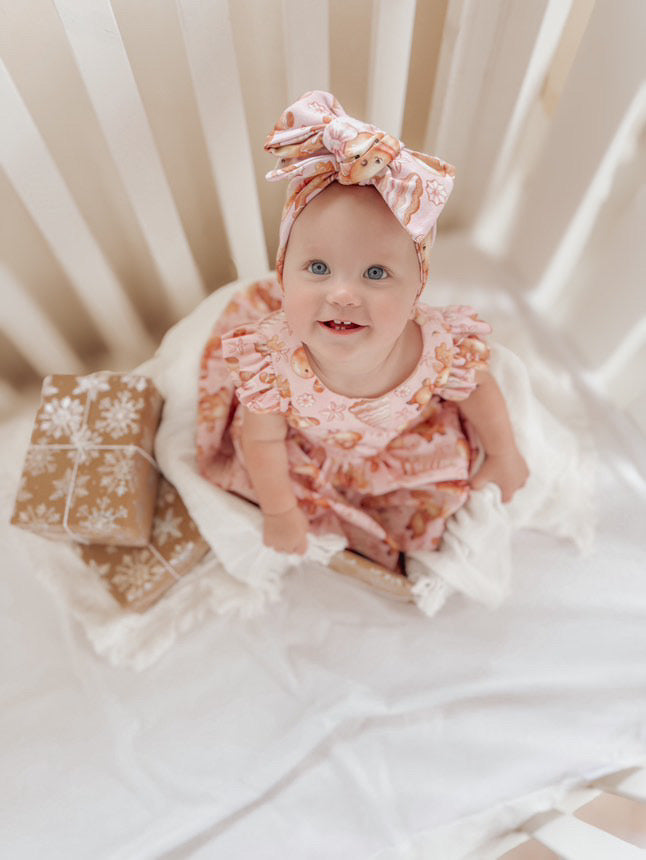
(474, 558)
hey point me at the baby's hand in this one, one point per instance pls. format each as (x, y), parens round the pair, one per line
(508, 470)
(286, 532)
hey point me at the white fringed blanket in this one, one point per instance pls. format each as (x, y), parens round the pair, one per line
(242, 575)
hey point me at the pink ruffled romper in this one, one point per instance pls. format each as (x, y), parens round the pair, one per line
(385, 471)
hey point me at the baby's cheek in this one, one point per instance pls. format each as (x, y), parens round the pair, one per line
(299, 313)
(393, 320)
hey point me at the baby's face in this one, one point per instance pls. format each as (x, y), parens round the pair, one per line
(348, 259)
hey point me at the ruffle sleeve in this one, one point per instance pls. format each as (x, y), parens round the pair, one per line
(248, 356)
(469, 352)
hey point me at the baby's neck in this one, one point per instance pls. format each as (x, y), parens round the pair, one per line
(384, 375)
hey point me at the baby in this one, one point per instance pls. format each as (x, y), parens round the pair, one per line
(334, 397)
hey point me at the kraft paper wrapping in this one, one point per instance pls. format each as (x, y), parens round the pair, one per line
(138, 576)
(89, 475)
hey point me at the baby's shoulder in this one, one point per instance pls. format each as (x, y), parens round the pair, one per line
(455, 320)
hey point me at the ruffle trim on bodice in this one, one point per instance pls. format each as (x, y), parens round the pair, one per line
(248, 355)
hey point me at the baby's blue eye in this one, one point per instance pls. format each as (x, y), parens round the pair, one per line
(318, 267)
(376, 273)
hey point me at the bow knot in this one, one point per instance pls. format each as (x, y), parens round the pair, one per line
(362, 151)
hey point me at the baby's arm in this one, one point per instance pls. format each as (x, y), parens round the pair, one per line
(504, 464)
(265, 452)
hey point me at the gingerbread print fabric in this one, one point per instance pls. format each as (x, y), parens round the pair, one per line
(317, 143)
(386, 472)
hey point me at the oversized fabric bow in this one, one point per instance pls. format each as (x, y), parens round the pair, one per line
(317, 143)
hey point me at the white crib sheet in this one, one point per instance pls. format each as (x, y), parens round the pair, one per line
(338, 724)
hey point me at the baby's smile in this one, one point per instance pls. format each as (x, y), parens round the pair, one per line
(341, 326)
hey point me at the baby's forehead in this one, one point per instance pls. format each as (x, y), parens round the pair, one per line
(359, 209)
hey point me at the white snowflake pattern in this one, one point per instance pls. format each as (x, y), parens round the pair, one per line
(91, 385)
(136, 574)
(62, 486)
(334, 410)
(39, 517)
(304, 401)
(181, 554)
(167, 493)
(61, 417)
(119, 415)
(166, 527)
(117, 473)
(85, 441)
(40, 460)
(134, 381)
(436, 192)
(48, 389)
(98, 569)
(100, 520)
(23, 494)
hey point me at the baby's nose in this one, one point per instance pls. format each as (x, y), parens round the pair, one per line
(343, 295)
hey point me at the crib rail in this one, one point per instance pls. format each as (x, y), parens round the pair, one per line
(584, 825)
(132, 150)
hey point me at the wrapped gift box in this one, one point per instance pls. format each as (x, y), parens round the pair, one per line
(138, 577)
(390, 583)
(89, 474)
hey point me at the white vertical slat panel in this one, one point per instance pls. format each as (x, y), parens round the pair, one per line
(611, 335)
(37, 181)
(494, 58)
(28, 328)
(206, 28)
(100, 55)
(529, 40)
(630, 784)
(392, 39)
(572, 839)
(307, 46)
(496, 848)
(599, 115)
(467, 43)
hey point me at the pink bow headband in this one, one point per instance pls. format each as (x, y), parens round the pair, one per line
(318, 143)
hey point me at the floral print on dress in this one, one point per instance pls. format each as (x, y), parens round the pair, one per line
(385, 471)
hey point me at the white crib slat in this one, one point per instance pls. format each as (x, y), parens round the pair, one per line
(496, 848)
(631, 784)
(96, 43)
(528, 41)
(392, 38)
(493, 61)
(307, 46)
(26, 326)
(467, 44)
(622, 374)
(208, 38)
(38, 182)
(599, 115)
(572, 839)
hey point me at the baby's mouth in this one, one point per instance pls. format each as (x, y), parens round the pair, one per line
(341, 325)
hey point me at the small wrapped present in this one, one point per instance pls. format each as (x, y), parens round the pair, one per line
(390, 583)
(139, 576)
(89, 474)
